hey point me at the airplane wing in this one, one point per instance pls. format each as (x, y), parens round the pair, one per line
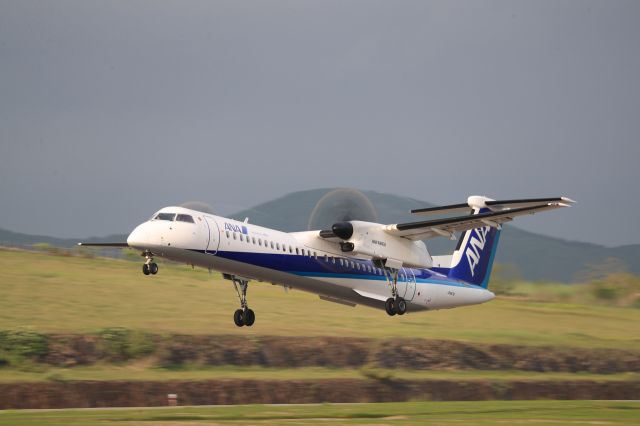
(103, 244)
(499, 213)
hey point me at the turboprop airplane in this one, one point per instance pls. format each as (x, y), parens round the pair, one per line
(384, 266)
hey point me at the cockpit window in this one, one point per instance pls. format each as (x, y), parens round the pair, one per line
(165, 216)
(184, 218)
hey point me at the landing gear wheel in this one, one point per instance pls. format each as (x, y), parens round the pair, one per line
(149, 267)
(244, 315)
(153, 268)
(390, 307)
(249, 317)
(401, 306)
(238, 317)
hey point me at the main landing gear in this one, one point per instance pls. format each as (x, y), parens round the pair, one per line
(395, 304)
(149, 267)
(244, 315)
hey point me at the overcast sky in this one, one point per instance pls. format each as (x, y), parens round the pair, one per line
(110, 110)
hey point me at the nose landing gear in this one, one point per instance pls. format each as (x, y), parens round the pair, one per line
(149, 267)
(244, 315)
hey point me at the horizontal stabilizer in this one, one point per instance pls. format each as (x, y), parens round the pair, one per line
(490, 204)
(527, 202)
(449, 226)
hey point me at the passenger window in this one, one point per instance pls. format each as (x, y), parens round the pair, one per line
(234, 235)
(253, 240)
(326, 258)
(341, 262)
(241, 237)
(227, 234)
(184, 218)
(271, 243)
(297, 251)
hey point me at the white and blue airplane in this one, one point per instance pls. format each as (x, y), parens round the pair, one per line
(353, 263)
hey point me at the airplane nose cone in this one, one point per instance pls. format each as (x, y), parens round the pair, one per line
(138, 237)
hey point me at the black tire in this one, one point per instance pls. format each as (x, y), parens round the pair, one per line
(238, 318)
(145, 269)
(401, 306)
(389, 306)
(249, 317)
(153, 268)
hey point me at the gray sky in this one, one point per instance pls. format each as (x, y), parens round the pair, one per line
(111, 110)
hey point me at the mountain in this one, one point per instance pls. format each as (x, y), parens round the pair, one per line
(537, 257)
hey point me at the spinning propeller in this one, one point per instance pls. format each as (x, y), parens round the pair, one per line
(341, 205)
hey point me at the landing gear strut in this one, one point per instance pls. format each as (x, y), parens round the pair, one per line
(395, 304)
(149, 267)
(244, 315)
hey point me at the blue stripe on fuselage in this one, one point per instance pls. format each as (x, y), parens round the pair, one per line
(309, 266)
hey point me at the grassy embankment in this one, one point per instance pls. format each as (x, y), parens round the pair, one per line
(60, 294)
(458, 413)
(76, 295)
(143, 371)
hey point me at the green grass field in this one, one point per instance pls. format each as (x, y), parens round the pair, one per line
(140, 371)
(410, 413)
(48, 293)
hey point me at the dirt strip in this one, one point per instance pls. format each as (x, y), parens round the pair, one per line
(84, 394)
(289, 352)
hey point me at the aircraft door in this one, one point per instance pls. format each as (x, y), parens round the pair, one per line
(402, 283)
(411, 285)
(214, 235)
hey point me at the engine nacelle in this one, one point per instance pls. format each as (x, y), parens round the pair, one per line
(370, 239)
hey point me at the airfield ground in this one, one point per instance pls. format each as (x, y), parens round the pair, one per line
(58, 294)
(61, 298)
(560, 413)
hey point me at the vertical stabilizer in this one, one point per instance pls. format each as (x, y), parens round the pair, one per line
(473, 258)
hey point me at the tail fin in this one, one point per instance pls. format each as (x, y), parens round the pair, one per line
(473, 258)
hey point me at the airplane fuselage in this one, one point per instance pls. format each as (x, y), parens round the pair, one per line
(298, 260)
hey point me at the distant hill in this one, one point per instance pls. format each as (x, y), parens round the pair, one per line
(537, 257)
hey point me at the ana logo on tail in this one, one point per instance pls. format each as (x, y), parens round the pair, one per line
(475, 246)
